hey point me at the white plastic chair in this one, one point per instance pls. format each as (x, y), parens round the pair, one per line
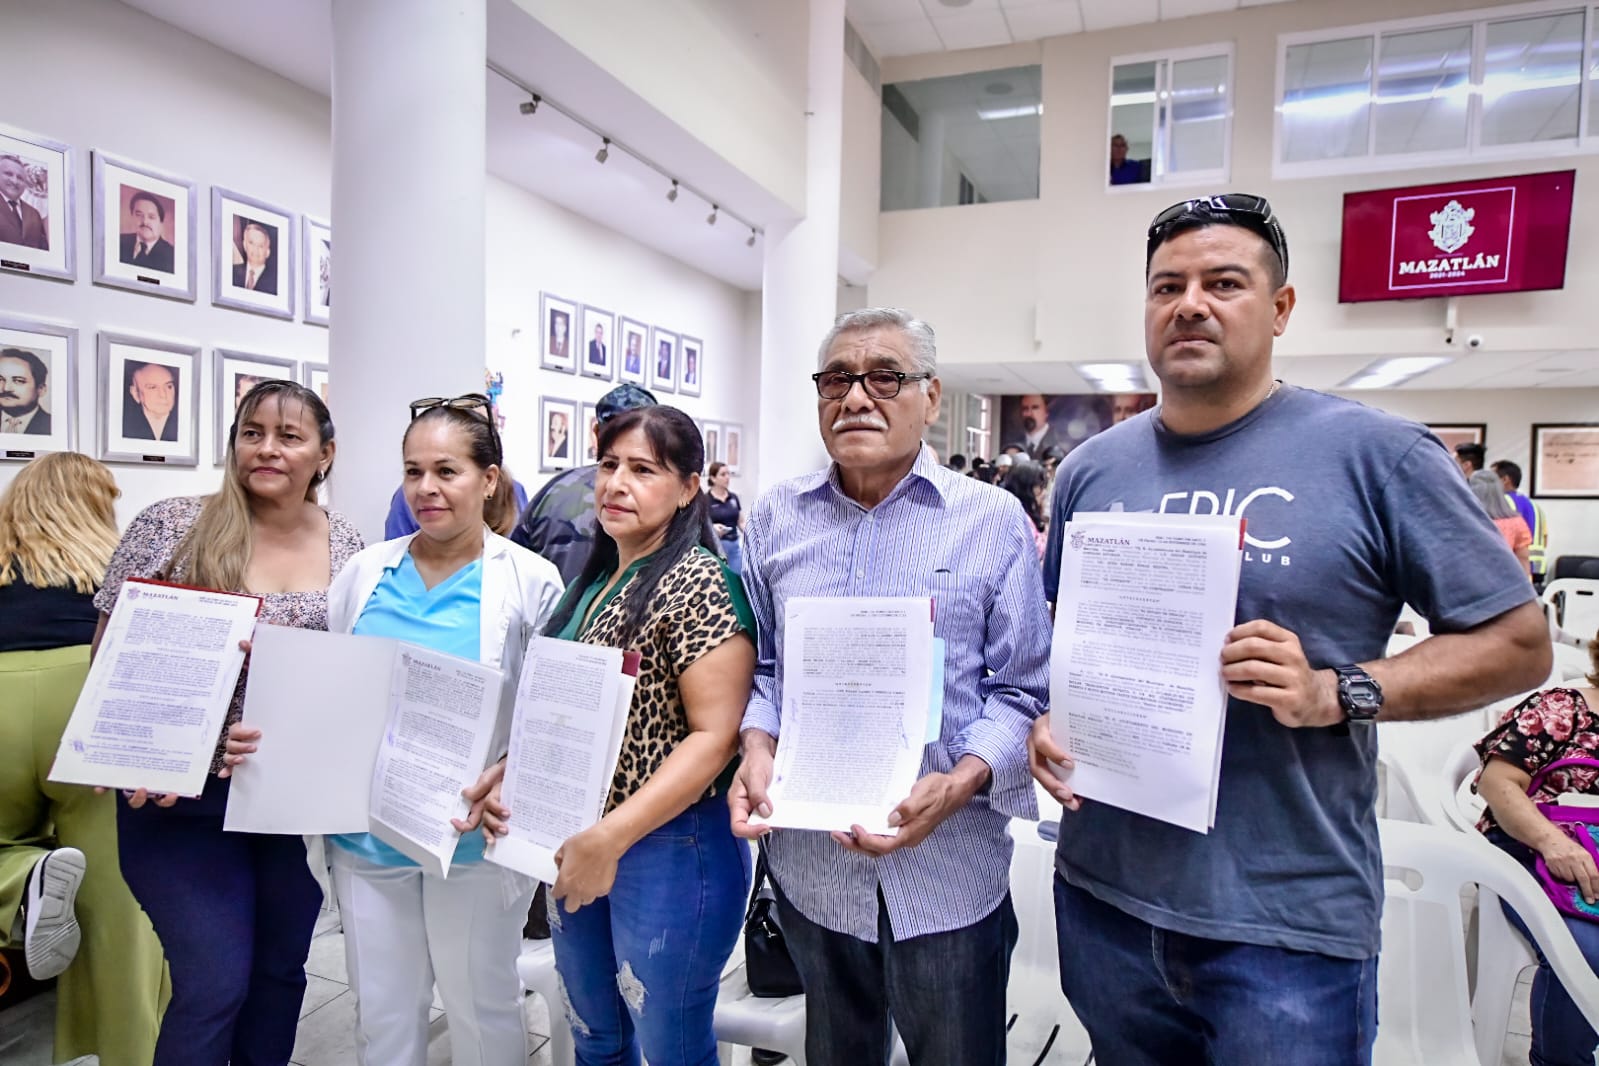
(1461, 806)
(1412, 756)
(1426, 1011)
(536, 967)
(1572, 604)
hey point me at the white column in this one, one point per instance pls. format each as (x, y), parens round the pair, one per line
(930, 162)
(799, 284)
(408, 187)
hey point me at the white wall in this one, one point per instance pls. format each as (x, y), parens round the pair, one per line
(535, 246)
(861, 177)
(1509, 415)
(207, 115)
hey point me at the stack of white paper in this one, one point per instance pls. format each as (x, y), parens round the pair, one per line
(395, 734)
(153, 705)
(572, 705)
(1136, 693)
(856, 678)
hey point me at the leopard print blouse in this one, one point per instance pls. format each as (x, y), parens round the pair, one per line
(693, 613)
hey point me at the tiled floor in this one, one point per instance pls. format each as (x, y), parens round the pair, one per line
(327, 1023)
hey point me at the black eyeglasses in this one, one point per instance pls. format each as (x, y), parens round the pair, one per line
(472, 402)
(1253, 213)
(879, 384)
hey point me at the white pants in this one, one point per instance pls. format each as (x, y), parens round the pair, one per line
(403, 929)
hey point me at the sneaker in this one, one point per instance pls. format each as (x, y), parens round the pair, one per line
(50, 933)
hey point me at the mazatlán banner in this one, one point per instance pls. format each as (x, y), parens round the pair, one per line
(1461, 238)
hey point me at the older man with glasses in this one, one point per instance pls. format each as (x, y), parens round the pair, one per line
(1256, 944)
(916, 927)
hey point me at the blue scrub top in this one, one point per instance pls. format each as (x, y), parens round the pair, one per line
(446, 618)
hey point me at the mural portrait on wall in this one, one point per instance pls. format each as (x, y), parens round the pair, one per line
(1039, 422)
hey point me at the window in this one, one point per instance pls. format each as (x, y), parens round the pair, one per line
(1504, 83)
(969, 139)
(1170, 117)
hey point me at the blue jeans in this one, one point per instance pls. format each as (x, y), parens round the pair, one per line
(944, 991)
(734, 550)
(1151, 997)
(1561, 1036)
(640, 967)
(235, 913)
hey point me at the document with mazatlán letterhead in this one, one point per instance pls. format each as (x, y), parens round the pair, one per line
(1136, 693)
(153, 705)
(857, 671)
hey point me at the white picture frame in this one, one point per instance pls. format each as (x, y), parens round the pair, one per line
(589, 426)
(240, 227)
(233, 374)
(598, 344)
(314, 376)
(662, 360)
(138, 208)
(733, 446)
(130, 397)
(558, 442)
(690, 366)
(633, 338)
(51, 423)
(40, 239)
(558, 320)
(316, 270)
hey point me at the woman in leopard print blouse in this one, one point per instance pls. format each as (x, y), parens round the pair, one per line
(649, 901)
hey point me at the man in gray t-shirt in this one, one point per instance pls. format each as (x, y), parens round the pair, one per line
(1257, 942)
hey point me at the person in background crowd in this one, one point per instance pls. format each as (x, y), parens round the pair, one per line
(1485, 486)
(1537, 552)
(727, 515)
(1471, 457)
(1029, 482)
(59, 882)
(454, 586)
(559, 522)
(235, 911)
(1124, 171)
(918, 927)
(1270, 921)
(957, 463)
(649, 901)
(1557, 723)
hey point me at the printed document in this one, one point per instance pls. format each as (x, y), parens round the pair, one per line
(1136, 693)
(856, 678)
(393, 735)
(572, 704)
(152, 708)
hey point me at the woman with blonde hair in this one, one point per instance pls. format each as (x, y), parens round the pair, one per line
(235, 911)
(59, 885)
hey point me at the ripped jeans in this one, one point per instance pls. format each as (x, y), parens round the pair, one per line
(640, 967)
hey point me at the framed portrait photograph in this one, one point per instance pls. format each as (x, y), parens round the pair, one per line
(558, 444)
(315, 376)
(732, 446)
(558, 319)
(663, 360)
(1454, 433)
(691, 365)
(232, 375)
(38, 389)
(632, 338)
(148, 409)
(37, 204)
(317, 270)
(591, 434)
(252, 246)
(143, 229)
(713, 442)
(1565, 460)
(599, 343)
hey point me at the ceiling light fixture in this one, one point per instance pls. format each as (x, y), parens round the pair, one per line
(529, 107)
(671, 194)
(710, 219)
(1023, 111)
(1387, 373)
(1113, 377)
(604, 153)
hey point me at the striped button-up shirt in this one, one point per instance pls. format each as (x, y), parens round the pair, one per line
(970, 547)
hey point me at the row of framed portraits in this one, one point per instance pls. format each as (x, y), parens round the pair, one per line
(577, 338)
(147, 393)
(568, 430)
(145, 237)
(1564, 457)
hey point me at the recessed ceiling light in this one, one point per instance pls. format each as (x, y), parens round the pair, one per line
(954, 3)
(999, 88)
(1386, 373)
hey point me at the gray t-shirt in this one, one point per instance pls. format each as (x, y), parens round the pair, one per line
(1351, 514)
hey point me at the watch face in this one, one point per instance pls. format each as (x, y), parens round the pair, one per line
(1364, 694)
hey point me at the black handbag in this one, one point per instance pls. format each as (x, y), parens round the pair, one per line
(768, 967)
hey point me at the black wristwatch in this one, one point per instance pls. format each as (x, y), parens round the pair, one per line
(1358, 694)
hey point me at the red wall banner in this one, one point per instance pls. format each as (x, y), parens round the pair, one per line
(1461, 238)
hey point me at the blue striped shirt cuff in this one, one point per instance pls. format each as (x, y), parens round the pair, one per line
(999, 745)
(762, 715)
